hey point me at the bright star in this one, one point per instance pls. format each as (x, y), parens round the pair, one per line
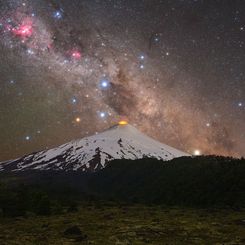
(142, 57)
(78, 120)
(197, 152)
(57, 15)
(27, 138)
(102, 114)
(104, 84)
(73, 100)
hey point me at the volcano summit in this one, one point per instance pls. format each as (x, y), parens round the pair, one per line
(93, 153)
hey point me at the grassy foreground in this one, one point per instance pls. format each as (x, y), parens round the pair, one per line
(122, 225)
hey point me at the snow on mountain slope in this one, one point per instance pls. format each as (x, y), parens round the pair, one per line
(94, 152)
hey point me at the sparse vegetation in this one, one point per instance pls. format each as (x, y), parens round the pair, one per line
(105, 224)
(187, 201)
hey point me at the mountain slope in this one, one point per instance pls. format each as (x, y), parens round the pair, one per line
(94, 152)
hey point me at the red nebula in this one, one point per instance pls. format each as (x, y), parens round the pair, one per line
(76, 55)
(23, 30)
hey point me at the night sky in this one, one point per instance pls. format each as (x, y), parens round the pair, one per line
(175, 69)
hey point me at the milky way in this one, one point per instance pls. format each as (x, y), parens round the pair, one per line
(174, 69)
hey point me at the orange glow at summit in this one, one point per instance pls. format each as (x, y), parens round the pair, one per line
(123, 122)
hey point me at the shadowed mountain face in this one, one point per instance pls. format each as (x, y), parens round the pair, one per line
(186, 181)
(94, 152)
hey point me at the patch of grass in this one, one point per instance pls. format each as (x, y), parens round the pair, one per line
(122, 225)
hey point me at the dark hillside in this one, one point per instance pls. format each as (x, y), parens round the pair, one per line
(195, 182)
(199, 181)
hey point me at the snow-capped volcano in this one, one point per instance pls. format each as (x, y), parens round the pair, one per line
(121, 141)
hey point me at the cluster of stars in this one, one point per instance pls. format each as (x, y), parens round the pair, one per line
(76, 55)
(23, 30)
(29, 137)
(142, 61)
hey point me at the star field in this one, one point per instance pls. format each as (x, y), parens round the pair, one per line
(174, 69)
